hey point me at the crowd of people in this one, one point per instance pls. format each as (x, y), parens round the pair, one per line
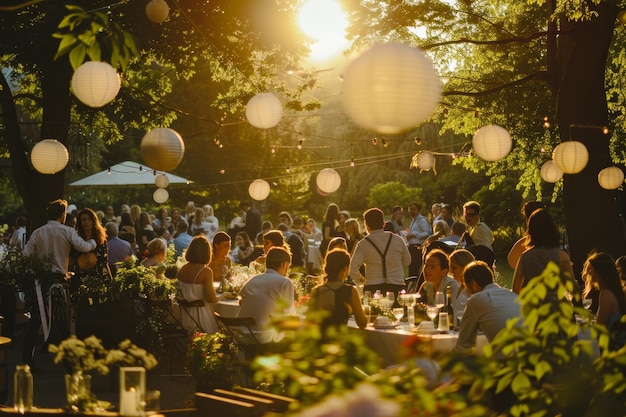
(432, 253)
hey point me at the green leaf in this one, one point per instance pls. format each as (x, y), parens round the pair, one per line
(504, 382)
(542, 368)
(77, 56)
(68, 42)
(520, 383)
(88, 38)
(94, 52)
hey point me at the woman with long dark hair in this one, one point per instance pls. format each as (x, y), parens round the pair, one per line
(92, 264)
(601, 274)
(333, 302)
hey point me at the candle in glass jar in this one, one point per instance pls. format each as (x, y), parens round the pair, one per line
(129, 403)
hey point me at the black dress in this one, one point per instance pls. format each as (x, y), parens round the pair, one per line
(339, 313)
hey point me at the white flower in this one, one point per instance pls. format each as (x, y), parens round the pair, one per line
(364, 401)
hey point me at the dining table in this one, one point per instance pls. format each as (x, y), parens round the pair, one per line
(388, 342)
(227, 307)
(314, 256)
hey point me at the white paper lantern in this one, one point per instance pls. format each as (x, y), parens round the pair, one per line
(391, 88)
(611, 178)
(157, 11)
(571, 156)
(161, 181)
(162, 149)
(550, 172)
(264, 110)
(492, 143)
(95, 83)
(160, 195)
(259, 189)
(425, 160)
(49, 156)
(328, 180)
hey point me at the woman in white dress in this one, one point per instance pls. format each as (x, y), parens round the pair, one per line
(195, 283)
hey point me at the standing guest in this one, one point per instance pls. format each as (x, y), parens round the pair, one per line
(285, 217)
(419, 230)
(144, 232)
(182, 239)
(446, 214)
(544, 241)
(109, 215)
(200, 225)
(312, 231)
(190, 210)
(435, 211)
(70, 220)
(118, 249)
(176, 218)
(457, 229)
(395, 223)
(253, 219)
(601, 274)
(195, 282)
(53, 240)
(436, 278)
(156, 251)
(221, 262)
(620, 264)
(265, 227)
(340, 230)
(337, 242)
(335, 299)
(160, 217)
(18, 238)
(163, 233)
(523, 243)
(384, 255)
(488, 308)
(329, 225)
(459, 259)
(243, 247)
(353, 233)
(209, 217)
(135, 212)
(478, 231)
(268, 295)
(126, 224)
(95, 264)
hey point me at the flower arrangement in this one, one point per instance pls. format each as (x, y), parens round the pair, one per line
(19, 271)
(239, 275)
(381, 309)
(209, 360)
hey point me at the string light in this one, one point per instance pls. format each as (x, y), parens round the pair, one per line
(375, 141)
(300, 144)
(605, 130)
(418, 140)
(222, 171)
(288, 169)
(546, 122)
(352, 162)
(384, 142)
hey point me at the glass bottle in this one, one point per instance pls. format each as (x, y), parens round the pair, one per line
(23, 389)
(449, 308)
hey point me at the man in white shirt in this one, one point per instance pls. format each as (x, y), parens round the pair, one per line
(488, 309)
(384, 255)
(419, 230)
(268, 295)
(478, 231)
(18, 238)
(53, 240)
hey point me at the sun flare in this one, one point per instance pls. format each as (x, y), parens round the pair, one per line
(325, 22)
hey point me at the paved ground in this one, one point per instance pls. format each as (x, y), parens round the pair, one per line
(176, 387)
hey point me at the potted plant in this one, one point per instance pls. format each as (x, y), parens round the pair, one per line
(210, 360)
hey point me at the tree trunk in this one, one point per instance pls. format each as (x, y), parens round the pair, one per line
(593, 218)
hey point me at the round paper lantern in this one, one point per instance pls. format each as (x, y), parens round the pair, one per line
(95, 83)
(264, 110)
(328, 180)
(425, 160)
(162, 149)
(550, 172)
(391, 88)
(259, 189)
(492, 143)
(160, 195)
(611, 178)
(161, 181)
(571, 157)
(49, 156)
(157, 11)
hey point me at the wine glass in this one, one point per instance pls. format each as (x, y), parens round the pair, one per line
(391, 298)
(439, 300)
(402, 298)
(398, 312)
(217, 285)
(587, 303)
(367, 310)
(431, 312)
(410, 300)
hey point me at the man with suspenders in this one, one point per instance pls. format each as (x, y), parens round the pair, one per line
(384, 255)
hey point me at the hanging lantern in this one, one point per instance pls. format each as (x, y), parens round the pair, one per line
(550, 172)
(328, 180)
(259, 189)
(391, 88)
(157, 11)
(160, 195)
(162, 149)
(95, 83)
(571, 157)
(611, 178)
(264, 110)
(49, 156)
(492, 143)
(424, 160)
(161, 181)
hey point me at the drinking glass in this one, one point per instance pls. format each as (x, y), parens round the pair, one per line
(398, 312)
(459, 316)
(367, 310)
(391, 297)
(410, 300)
(401, 298)
(587, 303)
(431, 312)
(439, 299)
(378, 294)
(217, 285)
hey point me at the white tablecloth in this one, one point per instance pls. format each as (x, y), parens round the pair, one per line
(314, 257)
(388, 343)
(227, 307)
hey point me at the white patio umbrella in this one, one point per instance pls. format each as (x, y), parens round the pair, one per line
(126, 174)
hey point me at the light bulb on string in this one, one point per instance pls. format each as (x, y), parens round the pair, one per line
(384, 142)
(546, 122)
(288, 169)
(222, 171)
(418, 140)
(605, 130)
(300, 144)
(375, 141)
(352, 162)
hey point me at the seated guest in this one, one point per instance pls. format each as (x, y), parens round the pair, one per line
(155, 252)
(337, 242)
(296, 245)
(335, 301)
(269, 294)
(118, 249)
(436, 278)
(488, 308)
(182, 239)
(243, 248)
